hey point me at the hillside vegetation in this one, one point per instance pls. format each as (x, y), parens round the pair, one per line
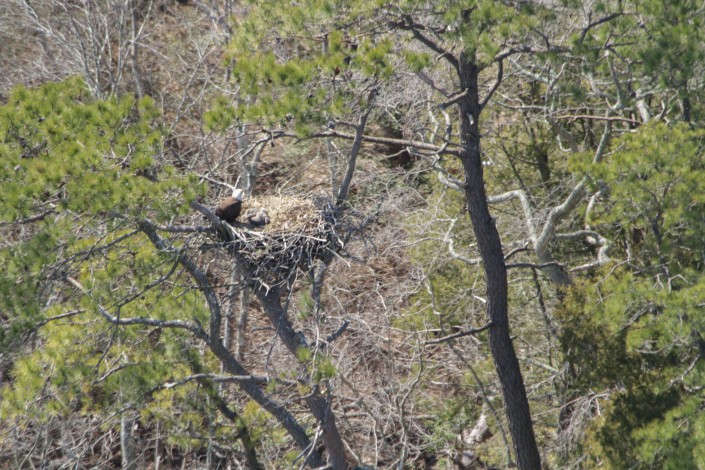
(471, 234)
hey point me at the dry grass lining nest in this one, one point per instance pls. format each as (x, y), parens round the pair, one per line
(287, 214)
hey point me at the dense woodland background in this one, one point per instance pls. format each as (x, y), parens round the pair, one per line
(137, 333)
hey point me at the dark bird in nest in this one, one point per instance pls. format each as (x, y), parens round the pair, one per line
(229, 208)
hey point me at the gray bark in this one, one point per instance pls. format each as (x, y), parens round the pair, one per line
(214, 343)
(127, 446)
(490, 246)
(320, 407)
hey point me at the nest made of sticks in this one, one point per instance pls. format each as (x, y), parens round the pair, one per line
(286, 214)
(298, 231)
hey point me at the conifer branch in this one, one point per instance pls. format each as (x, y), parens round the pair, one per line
(115, 320)
(416, 29)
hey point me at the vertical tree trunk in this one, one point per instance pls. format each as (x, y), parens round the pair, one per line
(126, 444)
(489, 243)
(157, 451)
(320, 407)
(244, 308)
(134, 54)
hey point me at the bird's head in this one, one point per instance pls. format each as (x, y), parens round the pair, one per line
(238, 194)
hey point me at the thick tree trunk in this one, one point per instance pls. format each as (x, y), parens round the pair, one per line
(213, 340)
(490, 246)
(316, 402)
(280, 412)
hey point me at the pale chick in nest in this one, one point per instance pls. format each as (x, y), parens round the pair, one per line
(257, 217)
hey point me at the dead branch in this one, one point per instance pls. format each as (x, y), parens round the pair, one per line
(460, 334)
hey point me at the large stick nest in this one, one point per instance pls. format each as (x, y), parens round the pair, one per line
(286, 214)
(298, 232)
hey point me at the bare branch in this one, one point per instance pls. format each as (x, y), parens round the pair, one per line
(576, 234)
(357, 144)
(429, 81)
(593, 238)
(563, 135)
(30, 219)
(230, 363)
(453, 99)
(192, 327)
(221, 183)
(526, 207)
(513, 252)
(451, 247)
(376, 140)
(216, 378)
(513, 51)
(495, 85)
(541, 241)
(533, 265)
(448, 130)
(336, 334)
(61, 316)
(592, 117)
(561, 211)
(445, 179)
(183, 228)
(460, 334)
(210, 215)
(597, 22)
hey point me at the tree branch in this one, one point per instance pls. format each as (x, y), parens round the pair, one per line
(383, 140)
(408, 24)
(429, 81)
(533, 265)
(446, 180)
(526, 207)
(29, 220)
(357, 144)
(559, 212)
(453, 99)
(320, 407)
(199, 276)
(192, 327)
(216, 378)
(336, 334)
(597, 118)
(598, 22)
(230, 363)
(495, 85)
(460, 334)
(451, 247)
